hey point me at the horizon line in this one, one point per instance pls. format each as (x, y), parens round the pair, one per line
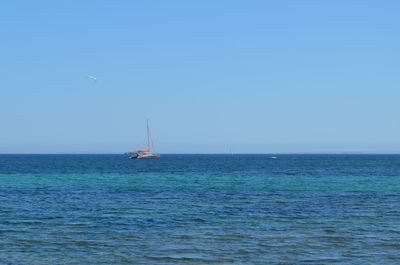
(239, 153)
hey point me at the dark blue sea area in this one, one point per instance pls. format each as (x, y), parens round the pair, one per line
(200, 209)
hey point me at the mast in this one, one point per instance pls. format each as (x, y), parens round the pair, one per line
(148, 135)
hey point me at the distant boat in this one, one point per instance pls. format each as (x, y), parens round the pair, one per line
(147, 151)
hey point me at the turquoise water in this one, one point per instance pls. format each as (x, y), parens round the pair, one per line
(200, 209)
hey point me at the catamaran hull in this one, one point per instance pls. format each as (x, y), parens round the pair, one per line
(145, 156)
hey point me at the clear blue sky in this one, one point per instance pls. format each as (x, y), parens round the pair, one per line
(256, 76)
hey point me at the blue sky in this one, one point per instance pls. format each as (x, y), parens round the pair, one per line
(253, 76)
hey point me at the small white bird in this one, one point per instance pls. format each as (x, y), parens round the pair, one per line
(92, 77)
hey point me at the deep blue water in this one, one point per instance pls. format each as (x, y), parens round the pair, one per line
(200, 209)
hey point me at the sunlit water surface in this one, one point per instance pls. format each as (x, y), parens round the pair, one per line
(200, 209)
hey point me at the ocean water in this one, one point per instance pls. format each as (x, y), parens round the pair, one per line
(200, 209)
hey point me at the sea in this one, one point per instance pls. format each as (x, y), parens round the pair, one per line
(200, 209)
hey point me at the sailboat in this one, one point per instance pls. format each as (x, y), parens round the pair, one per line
(147, 151)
